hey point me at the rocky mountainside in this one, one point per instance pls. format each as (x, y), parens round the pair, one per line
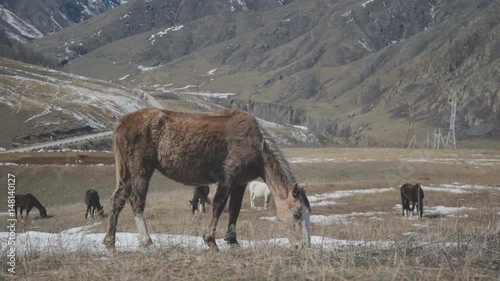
(40, 105)
(348, 68)
(27, 19)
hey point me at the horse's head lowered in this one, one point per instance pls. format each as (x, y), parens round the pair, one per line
(296, 214)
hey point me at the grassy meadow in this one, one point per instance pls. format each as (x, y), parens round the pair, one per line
(354, 194)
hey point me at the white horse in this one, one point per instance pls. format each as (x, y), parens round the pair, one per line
(259, 189)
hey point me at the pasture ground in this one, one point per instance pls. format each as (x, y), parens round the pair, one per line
(463, 244)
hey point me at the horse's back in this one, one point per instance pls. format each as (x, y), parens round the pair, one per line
(20, 200)
(412, 191)
(259, 188)
(27, 199)
(92, 197)
(190, 147)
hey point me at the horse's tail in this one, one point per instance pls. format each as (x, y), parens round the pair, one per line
(403, 198)
(121, 171)
(420, 202)
(204, 198)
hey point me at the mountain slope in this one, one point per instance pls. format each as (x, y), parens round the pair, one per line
(350, 68)
(42, 105)
(38, 104)
(26, 19)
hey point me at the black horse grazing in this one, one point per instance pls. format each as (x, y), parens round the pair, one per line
(412, 194)
(28, 201)
(200, 197)
(92, 201)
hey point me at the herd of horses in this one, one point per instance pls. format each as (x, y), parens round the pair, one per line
(228, 148)
(410, 195)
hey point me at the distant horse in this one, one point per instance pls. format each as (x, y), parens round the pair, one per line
(227, 147)
(200, 197)
(92, 202)
(28, 201)
(80, 158)
(412, 194)
(259, 189)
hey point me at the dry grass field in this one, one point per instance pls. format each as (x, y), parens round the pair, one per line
(358, 229)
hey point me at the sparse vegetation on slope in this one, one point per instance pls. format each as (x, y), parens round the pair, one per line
(340, 64)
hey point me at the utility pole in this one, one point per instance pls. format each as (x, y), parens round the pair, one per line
(410, 133)
(450, 139)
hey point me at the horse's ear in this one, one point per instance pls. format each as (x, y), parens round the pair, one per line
(295, 190)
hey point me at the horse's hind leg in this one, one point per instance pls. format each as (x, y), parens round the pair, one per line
(252, 200)
(404, 203)
(118, 198)
(234, 211)
(87, 212)
(138, 204)
(202, 206)
(219, 202)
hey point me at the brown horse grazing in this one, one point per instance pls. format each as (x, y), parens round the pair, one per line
(227, 147)
(92, 201)
(412, 194)
(200, 197)
(28, 201)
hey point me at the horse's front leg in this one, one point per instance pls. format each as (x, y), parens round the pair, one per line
(219, 203)
(234, 211)
(28, 210)
(267, 197)
(412, 209)
(406, 207)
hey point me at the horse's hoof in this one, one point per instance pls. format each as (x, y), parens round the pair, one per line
(110, 245)
(148, 248)
(210, 240)
(231, 240)
(146, 244)
(111, 249)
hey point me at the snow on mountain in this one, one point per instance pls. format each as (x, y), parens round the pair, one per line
(21, 27)
(25, 20)
(48, 100)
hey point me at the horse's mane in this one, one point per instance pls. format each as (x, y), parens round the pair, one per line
(274, 149)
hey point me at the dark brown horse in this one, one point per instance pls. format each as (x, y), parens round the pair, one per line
(412, 194)
(93, 203)
(200, 197)
(228, 147)
(28, 201)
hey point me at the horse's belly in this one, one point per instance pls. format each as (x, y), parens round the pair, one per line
(190, 173)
